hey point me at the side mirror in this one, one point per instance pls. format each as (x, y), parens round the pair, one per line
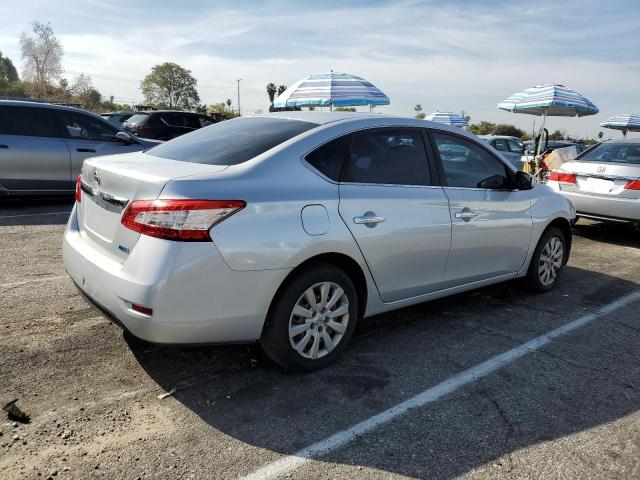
(124, 137)
(524, 181)
(494, 182)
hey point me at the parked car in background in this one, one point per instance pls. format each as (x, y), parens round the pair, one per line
(288, 228)
(117, 118)
(42, 146)
(165, 124)
(603, 183)
(511, 148)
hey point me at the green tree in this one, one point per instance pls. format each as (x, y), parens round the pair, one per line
(418, 109)
(345, 109)
(221, 111)
(281, 89)
(482, 128)
(170, 86)
(10, 84)
(509, 130)
(557, 135)
(421, 116)
(42, 58)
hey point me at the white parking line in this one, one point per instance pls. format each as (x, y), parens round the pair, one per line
(291, 462)
(33, 280)
(35, 214)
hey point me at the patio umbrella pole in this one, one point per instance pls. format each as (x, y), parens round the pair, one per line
(544, 119)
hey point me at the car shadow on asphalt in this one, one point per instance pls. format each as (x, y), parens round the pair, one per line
(621, 234)
(571, 387)
(35, 211)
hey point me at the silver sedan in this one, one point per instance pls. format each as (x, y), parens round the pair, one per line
(603, 183)
(287, 228)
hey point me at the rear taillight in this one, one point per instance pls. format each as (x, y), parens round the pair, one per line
(79, 189)
(633, 184)
(562, 177)
(187, 220)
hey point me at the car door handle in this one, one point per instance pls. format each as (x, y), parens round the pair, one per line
(368, 220)
(86, 150)
(466, 215)
(4, 146)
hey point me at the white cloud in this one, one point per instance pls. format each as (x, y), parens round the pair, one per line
(454, 55)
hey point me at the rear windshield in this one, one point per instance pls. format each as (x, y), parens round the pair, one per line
(138, 118)
(233, 141)
(614, 153)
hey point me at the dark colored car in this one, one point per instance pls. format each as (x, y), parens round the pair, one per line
(165, 124)
(117, 118)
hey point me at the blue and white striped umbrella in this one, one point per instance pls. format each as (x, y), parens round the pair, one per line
(628, 122)
(549, 100)
(331, 89)
(448, 118)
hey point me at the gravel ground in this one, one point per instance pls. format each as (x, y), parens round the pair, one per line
(569, 410)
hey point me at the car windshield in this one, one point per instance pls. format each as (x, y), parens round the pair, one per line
(233, 141)
(138, 118)
(614, 153)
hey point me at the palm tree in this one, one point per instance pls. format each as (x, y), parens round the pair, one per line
(229, 103)
(281, 89)
(418, 108)
(271, 91)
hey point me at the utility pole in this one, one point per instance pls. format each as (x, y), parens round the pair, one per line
(239, 96)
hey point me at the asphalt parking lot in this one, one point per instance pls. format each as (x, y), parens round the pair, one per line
(566, 409)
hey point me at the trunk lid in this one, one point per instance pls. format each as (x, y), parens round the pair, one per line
(110, 183)
(601, 178)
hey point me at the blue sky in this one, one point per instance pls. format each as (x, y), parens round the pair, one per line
(455, 55)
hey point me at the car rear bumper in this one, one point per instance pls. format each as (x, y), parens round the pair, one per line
(196, 298)
(602, 207)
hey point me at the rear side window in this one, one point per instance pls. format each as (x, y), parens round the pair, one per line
(388, 156)
(501, 145)
(233, 141)
(205, 121)
(27, 121)
(138, 118)
(329, 158)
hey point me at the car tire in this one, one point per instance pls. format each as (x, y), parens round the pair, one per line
(548, 261)
(316, 312)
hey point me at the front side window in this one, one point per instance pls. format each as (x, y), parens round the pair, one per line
(514, 147)
(388, 156)
(613, 153)
(85, 127)
(468, 165)
(329, 158)
(27, 121)
(231, 142)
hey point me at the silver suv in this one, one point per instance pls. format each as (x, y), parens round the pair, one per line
(42, 146)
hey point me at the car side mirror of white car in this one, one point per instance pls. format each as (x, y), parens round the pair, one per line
(124, 137)
(524, 181)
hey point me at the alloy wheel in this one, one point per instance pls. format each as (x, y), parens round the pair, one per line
(319, 320)
(550, 261)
